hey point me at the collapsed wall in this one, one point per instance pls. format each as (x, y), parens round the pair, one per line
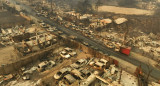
(15, 66)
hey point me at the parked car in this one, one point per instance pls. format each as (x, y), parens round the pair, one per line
(26, 77)
(117, 49)
(72, 53)
(60, 32)
(69, 79)
(91, 63)
(67, 49)
(67, 53)
(62, 72)
(110, 45)
(103, 61)
(85, 43)
(51, 63)
(73, 37)
(77, 74)
(50, 29)
(64, 54)
(79, 63)
(100, 64)
(42, 66)
(85, 72)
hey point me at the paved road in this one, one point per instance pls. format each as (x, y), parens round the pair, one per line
(155, 73)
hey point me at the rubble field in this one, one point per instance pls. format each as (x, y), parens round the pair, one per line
(58, 60)
(40, 72)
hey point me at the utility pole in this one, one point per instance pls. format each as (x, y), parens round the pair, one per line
(120, 77)
(51, 5)
(149, 71)
(125, 34)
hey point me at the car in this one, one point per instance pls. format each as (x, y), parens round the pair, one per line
(85, 72)
(43, 24)
(103, 61)
(26, 77)
(8, 77)
(69, 79)
(30, 71)
(38, 14)
(50, 29)
(67, 49)
(77, 74)
(117, 49)
(60, 32)
(95, 48)
(92, 46)
(45, 64)
(91, 63)
(51, 63)
(64, 54)
(62, 72)
(73, 37)
(42, 66)
(72, 53)
(100, 64)
(110, 45)
(79, 63)
(85, 43)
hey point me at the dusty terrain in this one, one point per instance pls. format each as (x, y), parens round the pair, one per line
(122, 10)
(7, 55)
(10, 19)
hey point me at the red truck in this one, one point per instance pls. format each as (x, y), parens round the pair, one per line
(125, 50)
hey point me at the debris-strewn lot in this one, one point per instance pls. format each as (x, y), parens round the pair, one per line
(80, 69)
(48, 57)
(139, 32)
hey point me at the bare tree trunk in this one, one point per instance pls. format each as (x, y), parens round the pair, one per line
(120, 76)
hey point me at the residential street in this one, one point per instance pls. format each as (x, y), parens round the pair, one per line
(100, 47)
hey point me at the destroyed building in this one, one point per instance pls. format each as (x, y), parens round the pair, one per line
(79, 43)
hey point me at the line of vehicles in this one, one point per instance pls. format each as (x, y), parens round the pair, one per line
(122, 49)
(78, 71)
